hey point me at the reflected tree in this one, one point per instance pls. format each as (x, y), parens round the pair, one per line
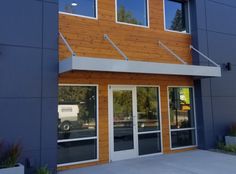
(147, 102)
(178, 21)
(122, 101)
(126, 16)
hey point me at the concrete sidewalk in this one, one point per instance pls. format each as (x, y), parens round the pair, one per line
(192, 162)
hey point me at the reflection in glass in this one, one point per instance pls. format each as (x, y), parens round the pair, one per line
(123, 120)
(181, 108)
(132, 12)
(183, 138)
(79, 7)
(149, 143)
(77, 116)
(176, 15)
(148, 109)
(77, 112)
(77, 151)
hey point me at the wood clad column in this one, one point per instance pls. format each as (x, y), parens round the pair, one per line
(103, 124)
(165, 119)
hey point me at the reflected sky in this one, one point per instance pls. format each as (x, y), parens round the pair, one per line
(81, 7)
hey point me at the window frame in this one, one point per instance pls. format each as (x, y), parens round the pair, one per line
(183, 129)
(82, 16)
(189, 19)
(86, 138)
(134, 25)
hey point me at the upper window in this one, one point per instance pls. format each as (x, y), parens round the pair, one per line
(86, 8)
(177, 15)
(133, 12)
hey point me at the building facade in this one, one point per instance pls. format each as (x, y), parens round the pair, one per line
(121, 76)
(123, 81)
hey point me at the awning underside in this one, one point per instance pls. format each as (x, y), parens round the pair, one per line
(113, 65)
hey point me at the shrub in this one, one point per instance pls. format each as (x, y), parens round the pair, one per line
(10, 156)
(43, 170)
(226, 148)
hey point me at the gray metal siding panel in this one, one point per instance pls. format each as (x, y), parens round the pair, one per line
(21, 22)
(50, 73)
(221, 18)
(20, 121)
(20, 71)
(29, 78)
(218, 41)
(50, 27)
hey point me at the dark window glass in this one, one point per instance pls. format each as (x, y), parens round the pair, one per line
(77, 151)
(176, 15)
(77, 112)
(132, 12)
(78, 7)
(149, 143)
(181, 108)
(183, 138)
(148, 109)
(123, 120)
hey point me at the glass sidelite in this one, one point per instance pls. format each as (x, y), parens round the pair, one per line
(148, 109)
(149, 136)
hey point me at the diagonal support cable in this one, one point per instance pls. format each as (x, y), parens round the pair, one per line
(172, 52)
(204, 56)
(106, 37)
(67, 44)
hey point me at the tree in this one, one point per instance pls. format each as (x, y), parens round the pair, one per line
(178, 21)
(126, 16)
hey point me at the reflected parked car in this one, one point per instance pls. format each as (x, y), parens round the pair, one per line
(68, 116)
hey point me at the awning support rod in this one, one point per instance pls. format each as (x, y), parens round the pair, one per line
(106, 37)
(67, 44)
(172, 52)
(203, 55)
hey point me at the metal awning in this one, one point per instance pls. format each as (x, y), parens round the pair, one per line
(77, 63)
(113, 65)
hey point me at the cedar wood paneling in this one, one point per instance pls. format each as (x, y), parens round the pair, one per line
(86, 38)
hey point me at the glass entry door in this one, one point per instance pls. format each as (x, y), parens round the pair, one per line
(123, 123)
(135, 128)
